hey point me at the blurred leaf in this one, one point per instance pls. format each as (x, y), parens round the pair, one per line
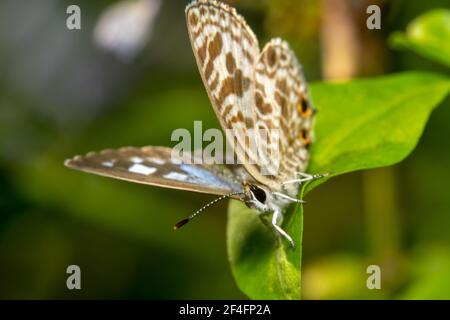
(339, 276)
(362, 124)
(427, 35)
(34, 254)
(431, 276)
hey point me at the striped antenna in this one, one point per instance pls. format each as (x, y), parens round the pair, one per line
(196, 213)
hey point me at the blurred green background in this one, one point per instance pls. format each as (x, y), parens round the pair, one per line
(65, 92)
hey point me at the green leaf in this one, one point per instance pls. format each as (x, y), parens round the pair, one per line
(263, 267)
(371, 123)
(427, 35)
(430, 276)
(361, 124)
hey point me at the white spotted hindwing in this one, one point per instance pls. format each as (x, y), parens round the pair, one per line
(282, 102)
(226, 50)
(157, 166)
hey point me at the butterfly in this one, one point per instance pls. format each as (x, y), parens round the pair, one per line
(249, 88)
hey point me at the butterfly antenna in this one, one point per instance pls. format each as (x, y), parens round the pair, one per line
(196, 213)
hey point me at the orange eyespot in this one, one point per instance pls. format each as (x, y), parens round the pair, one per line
(303, 108)
(305, 138)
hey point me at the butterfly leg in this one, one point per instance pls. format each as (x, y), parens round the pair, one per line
(266, 220)
(264, 217)
(277, 217)
(306, 177)
(288, 198)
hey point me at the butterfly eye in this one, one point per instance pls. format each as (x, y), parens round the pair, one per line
(259, 194)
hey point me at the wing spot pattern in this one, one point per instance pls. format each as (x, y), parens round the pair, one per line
(141, 169)
(176, 176)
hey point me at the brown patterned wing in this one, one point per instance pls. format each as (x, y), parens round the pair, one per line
(226, 50)
(157, 166)
(282, 102)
